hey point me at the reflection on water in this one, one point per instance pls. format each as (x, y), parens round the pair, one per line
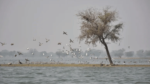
(75, 75)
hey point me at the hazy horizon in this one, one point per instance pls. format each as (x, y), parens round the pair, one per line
(23, 21)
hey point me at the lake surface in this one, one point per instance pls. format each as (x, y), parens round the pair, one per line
(69, 59)
(74, 75)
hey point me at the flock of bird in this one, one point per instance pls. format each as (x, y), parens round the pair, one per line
(71, 52)
(40, 44)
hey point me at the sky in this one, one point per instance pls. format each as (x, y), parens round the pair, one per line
(23, 20)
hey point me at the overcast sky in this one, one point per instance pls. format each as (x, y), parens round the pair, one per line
(23, 20)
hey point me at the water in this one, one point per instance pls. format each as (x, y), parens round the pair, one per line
(74, 75)
(69, 59)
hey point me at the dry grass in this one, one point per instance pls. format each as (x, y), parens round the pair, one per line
(69, 65)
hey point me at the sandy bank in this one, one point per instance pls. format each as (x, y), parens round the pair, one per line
(69, 65)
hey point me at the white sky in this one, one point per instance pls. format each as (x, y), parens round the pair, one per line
(23, 20)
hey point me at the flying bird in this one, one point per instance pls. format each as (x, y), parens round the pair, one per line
(27, 48)
(15, 55)
(26, 60)
(34, 39)
(71, 41)
(19, 53)
(2, 43)
(20, 62)
(59, 43)
(47, 40)
(40, 44)
(12, 44)
(64, 33)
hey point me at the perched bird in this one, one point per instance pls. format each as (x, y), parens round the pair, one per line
(47, 40)
(12, 44)
(71, 41)
(64, 33)
(9, 63)
(59, 43)
(20, 62)
(40, 44)
(2, 43)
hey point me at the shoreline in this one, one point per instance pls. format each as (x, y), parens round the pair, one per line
(68, 65)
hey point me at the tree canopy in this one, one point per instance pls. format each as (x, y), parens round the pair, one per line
(97, 26)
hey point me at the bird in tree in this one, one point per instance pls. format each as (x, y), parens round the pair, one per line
(98, 26)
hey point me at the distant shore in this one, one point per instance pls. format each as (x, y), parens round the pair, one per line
(69, 65)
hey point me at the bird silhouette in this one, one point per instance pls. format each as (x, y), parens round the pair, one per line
(71, 41)
(20, 62)
(64, 33)
(2, 43)
(59, 43)
(12, 44)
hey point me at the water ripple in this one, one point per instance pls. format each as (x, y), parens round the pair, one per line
(75, 75)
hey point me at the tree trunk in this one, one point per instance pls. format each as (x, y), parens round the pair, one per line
(108, 54)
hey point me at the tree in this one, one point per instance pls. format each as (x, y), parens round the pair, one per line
(97, 26)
